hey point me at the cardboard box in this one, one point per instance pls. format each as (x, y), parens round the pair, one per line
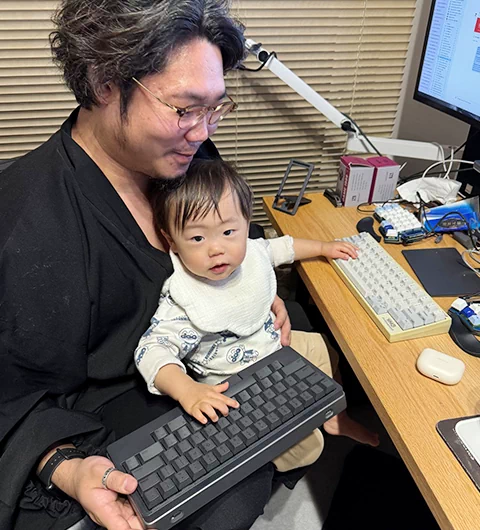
(385, 178)
(355, 177)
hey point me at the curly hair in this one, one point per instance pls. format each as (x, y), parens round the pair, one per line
(110, 41)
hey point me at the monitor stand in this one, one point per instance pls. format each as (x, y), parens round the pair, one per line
(470, 179)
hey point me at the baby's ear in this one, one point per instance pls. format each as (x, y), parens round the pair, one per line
(170, 241)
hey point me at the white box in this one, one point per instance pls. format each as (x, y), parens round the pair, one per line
(355, 177)
(385, 178)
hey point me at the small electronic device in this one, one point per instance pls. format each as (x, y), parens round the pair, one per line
(440, 366)
(333, 197)
(398, 225)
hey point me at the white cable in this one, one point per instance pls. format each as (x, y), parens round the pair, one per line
(442, 150)
(470, 252)
(441, 162)
(452, 152)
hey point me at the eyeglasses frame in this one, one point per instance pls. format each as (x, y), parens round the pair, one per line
(181, 111)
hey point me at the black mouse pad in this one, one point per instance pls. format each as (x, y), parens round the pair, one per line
(442, 272)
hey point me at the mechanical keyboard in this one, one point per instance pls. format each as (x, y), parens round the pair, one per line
(396, 303)
(398, 225)
(181, 464)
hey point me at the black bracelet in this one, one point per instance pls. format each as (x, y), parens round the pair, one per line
(59, 456)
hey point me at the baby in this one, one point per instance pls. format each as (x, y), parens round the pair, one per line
(214, 312)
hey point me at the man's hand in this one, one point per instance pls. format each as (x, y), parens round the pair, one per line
(282, 321)
(339, 249)
(202, 401)
(82, 480)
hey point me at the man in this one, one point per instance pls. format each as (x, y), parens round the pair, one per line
(82, 266)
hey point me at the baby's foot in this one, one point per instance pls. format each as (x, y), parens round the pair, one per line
(343, 425)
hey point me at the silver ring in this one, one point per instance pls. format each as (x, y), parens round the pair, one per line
(106, 475)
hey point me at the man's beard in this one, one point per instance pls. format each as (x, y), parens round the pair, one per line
(166, 185)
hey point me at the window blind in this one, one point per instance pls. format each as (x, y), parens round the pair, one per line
(352, 52)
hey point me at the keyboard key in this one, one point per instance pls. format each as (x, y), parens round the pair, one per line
(207, 446)
(194, 454)
(170, 440)
(262, 373)
(181, 479)
(261, 428)
(243, 397)
(167, 471)
(255, 390)
(236, 444)
(269, 394)
(175, 424)
(266, 383)
(272, 420)
(196, 470)
(246, 408)
(184, 447)
(167, 488)
(132, 463)
(151, 451)
(222, 452)
(209, 461)
(301, 387)
(293, 367)
(257, 415)
(296, 405)
(210, 430)
(315, 378)
(160, 433)
(223, 423)
(304, 372)
(276, 366)
(233, 430)
(268, 407)
(148, 468)
(149, 482)
(291, 393)
(170, 455)
(258, 401)
(279, 401)
(284, 413)
(197, 438)
(280, 388)
(307, 398)
(152, 497)
(276, 377)
(220, 438)
(318, 391)
(249, 436)
(245, 422)
(180, 463)
(183, 433)
(235, 415)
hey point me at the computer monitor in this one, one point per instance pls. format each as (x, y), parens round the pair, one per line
(449, 73)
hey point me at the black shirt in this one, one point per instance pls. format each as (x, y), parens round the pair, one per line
(79, 283)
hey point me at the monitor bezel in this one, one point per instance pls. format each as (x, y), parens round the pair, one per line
(435, 103)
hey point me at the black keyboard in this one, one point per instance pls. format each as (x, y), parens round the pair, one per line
(181, 464)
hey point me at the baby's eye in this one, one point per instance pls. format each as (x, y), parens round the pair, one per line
(228, 232)
(197, 238)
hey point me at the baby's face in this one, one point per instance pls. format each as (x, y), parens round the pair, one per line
(214, 246)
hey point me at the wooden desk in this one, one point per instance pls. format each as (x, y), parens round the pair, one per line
(408, 403)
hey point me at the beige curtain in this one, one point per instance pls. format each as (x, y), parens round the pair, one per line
(352, 52)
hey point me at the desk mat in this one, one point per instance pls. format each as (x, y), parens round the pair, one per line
(442, 272)
(446, 429)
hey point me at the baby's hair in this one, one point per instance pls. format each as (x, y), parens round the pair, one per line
(199, 192)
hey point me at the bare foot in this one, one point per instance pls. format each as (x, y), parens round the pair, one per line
(343, 425)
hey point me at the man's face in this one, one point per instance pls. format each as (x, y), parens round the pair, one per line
(149, 140)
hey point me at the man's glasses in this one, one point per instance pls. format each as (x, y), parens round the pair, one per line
(188, 117)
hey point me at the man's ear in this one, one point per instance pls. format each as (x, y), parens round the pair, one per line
(170, 241)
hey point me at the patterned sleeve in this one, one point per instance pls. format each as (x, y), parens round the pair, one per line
(170, 337)
(280, 250)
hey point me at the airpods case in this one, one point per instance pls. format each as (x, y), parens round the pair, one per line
(439, 366)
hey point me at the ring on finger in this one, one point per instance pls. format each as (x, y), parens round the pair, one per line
(106, 475)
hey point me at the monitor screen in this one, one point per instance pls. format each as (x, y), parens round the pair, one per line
(449, 74)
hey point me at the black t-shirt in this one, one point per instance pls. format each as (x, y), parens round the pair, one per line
(79, 283)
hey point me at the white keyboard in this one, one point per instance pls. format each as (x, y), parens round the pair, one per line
(397, 223)
(396, 303)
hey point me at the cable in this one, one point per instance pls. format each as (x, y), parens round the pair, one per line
(452, 160)
(242, 67)
(347, 127)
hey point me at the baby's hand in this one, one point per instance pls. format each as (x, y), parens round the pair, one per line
(201, 401)
(339, 249)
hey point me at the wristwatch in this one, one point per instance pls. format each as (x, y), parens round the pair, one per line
(59, 456)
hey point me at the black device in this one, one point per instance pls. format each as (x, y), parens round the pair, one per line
(290, 203)
(366, 225)
(333, 197)
(449, 74)
(181, 464)
(463, 337)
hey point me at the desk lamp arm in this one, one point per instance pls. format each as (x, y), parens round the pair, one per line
(355, 142)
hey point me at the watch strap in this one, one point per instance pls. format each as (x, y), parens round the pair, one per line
(59, 456)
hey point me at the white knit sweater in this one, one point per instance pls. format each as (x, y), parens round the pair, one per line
(216, 327)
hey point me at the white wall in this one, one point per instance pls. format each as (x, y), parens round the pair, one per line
(416, 121)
